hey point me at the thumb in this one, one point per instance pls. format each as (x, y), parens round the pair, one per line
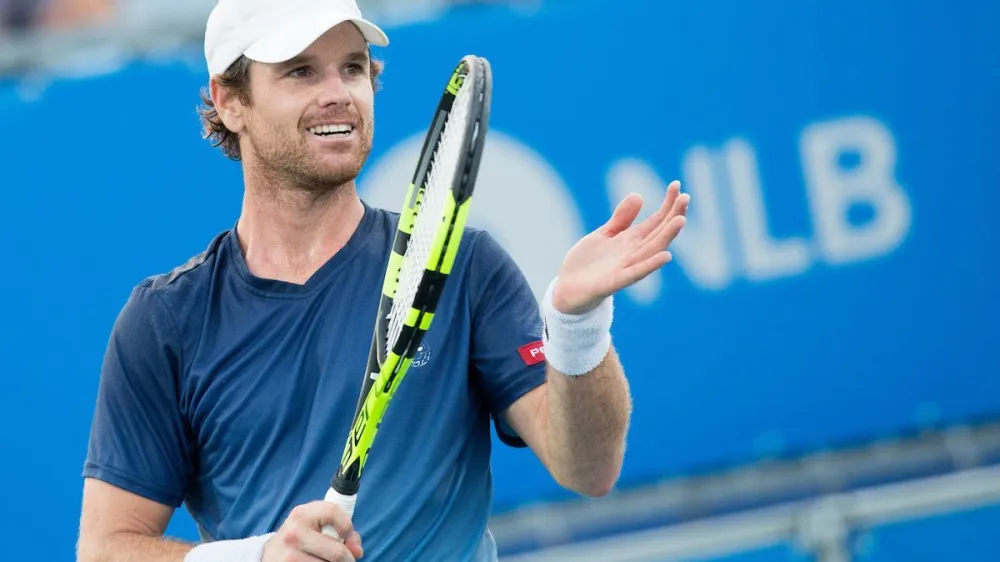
(624, 215)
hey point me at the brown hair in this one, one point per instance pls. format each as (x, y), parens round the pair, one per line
(237, 79)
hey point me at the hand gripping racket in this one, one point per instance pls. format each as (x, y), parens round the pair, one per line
(431, 226)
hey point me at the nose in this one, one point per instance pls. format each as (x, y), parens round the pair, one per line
(333, 91)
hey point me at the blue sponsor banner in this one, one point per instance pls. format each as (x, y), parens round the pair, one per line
(837, 281)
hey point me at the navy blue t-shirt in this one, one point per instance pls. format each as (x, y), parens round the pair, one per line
(233, 394)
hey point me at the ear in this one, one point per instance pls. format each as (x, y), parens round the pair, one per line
(228, 105)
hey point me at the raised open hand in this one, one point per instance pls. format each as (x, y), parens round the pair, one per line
(619, 253)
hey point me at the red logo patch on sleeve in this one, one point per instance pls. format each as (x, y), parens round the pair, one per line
(532, 353)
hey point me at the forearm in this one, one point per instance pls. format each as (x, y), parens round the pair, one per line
(133, 547)
(587, 420)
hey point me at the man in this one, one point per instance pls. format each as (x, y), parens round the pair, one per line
(230, 382)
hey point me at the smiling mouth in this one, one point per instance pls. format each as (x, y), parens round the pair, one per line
(331, 130)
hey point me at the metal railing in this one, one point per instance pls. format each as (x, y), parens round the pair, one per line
(815, 502)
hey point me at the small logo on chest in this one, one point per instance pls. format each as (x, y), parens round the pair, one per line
(422, 357)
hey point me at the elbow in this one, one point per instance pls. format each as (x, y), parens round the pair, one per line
(595, 484)
(603, 483)
(592, 488)
(597, 489)
(97, 548)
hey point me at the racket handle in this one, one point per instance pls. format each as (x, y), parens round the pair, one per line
(346, 503)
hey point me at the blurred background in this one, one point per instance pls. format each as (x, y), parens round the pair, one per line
(817, 375)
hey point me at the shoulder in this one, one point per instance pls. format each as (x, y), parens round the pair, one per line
(188, 273)
(185, 285)
(162, 300)
(484, 246)
(488, 262)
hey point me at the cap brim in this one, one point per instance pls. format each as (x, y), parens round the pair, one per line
(292, 39)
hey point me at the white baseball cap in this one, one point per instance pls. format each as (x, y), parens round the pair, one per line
(272, 31)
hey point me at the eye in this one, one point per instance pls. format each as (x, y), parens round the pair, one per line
(355, 69)
(300, 72)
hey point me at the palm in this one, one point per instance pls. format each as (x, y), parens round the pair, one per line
(619, 253)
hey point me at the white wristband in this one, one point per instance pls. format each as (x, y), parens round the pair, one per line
(243, 550)
(576, 343)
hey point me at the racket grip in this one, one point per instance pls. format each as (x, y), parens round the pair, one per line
(346, 503)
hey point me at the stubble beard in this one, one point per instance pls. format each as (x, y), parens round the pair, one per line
(289, 164)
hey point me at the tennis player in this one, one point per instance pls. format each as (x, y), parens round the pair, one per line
(229, 382)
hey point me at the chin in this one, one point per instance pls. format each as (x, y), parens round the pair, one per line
(332, 176)
(342, 165)
(317, 171)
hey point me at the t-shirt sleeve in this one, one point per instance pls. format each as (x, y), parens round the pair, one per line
(138, 438)
(506, 331)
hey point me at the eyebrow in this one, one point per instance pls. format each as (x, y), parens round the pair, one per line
(296, 61)
(356, 56)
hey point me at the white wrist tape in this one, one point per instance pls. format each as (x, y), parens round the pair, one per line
(243, 550)
(576, 343)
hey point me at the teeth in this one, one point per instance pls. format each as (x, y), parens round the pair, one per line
(330, 129)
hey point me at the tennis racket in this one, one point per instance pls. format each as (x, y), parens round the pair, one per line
(430, 230)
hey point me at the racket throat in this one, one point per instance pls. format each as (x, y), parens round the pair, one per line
(347, 485)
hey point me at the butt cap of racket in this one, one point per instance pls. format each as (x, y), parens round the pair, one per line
(346, 503)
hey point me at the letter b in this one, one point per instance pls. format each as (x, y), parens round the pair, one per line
(835, 187)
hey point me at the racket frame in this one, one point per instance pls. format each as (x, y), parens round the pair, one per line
(388, 369)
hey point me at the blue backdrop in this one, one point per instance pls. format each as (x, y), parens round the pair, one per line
(837, 282)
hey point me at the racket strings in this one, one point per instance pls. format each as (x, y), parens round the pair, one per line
(430, 211)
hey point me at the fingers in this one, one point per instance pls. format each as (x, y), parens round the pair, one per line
(624, 215)
(326, 548)
(657, 241)
(667, 209)
(303, 544)
(674, 204)
(680, 206)
(638, 271)
(666, 235)
(673, 191)
(301, 536)
(319, 514)
(353, 544)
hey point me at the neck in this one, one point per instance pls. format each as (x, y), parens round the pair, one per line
(288, 232)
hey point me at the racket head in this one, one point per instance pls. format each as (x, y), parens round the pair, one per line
(426, 242)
